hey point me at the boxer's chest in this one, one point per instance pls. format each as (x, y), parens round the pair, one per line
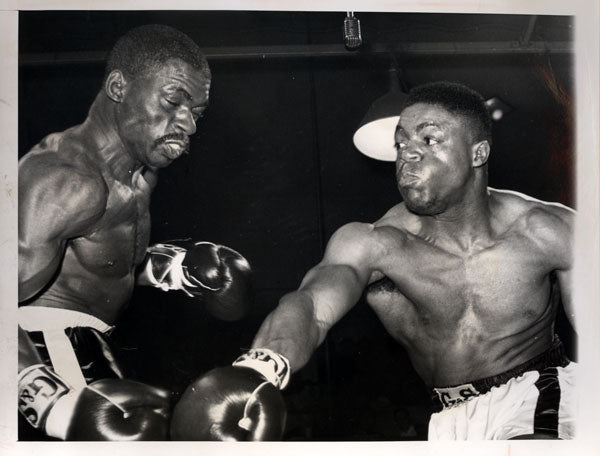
(119, 240)
(437, 292)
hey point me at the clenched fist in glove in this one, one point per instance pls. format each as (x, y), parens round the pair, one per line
(108, 409)
(240, 402)
(218, 275)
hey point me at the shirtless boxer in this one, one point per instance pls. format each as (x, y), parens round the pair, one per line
(84, 229)
(459, 274)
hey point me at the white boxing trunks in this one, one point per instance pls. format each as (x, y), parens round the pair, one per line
(535, 397)
(75, 344)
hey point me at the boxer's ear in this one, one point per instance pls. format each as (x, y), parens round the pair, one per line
(114, 86)
(480, 153)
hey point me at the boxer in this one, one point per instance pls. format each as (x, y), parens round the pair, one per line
(460, 275)
(84, 230)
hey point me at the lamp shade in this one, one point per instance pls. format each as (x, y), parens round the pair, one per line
(375, 134)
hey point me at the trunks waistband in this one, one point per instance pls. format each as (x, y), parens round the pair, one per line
(450, 396)
(38, 318)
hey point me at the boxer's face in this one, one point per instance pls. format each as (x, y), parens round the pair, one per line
(159, 111)
(434, 158)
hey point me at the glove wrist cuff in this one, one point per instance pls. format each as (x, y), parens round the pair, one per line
(59, 418)
(39, 391)
(271, 365)
(164, 269)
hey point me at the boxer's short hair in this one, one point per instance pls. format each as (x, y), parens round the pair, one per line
(457, 99)
(144, 48)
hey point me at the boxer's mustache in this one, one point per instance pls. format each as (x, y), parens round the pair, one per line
(174, 137)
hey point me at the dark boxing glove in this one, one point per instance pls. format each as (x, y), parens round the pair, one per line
(241, 402)
(108, 409)
(217, 274)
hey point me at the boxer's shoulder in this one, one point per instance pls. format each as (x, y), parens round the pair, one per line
(525, 212)
(68, 182)
(352, 235)
(353, 243)
(368, 242)
(69, 148)
(547, 225)
(61, 178)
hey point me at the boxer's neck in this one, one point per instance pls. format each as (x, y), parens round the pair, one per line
(467, 224)
(101, 128)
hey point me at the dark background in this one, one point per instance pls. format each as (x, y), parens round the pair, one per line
(273, 173)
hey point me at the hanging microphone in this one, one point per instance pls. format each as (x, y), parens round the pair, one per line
(352, 37)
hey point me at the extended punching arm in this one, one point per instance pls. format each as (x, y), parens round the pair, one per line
(242, 402)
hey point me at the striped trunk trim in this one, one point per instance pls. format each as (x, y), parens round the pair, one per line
(546, 411)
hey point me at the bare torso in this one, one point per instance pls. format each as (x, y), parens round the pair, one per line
(465, 313)
(96, 275)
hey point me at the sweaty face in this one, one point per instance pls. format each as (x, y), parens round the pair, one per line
(434, 158)
(159, 111)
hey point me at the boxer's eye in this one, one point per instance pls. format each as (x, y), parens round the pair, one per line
(197, 114)
(400, 145)
(431, 141)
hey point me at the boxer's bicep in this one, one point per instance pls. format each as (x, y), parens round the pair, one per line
(55, 205)
(558, 238)
(565, 283)
(333, 289)
(563, 245)
(37, 265)
(338, 281)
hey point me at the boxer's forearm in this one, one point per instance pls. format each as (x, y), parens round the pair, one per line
(291, 330)
(301, 321)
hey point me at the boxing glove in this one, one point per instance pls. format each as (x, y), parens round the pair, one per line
(241, 402)
(108, 409)
(220, 276)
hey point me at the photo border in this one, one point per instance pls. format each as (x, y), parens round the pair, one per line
(587, 248)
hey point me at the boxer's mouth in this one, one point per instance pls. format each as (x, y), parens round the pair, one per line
(175, 145)
(406, 177)
(174, 149)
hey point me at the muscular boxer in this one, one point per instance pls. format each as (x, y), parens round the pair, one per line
(84, 229)
(460, 275)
